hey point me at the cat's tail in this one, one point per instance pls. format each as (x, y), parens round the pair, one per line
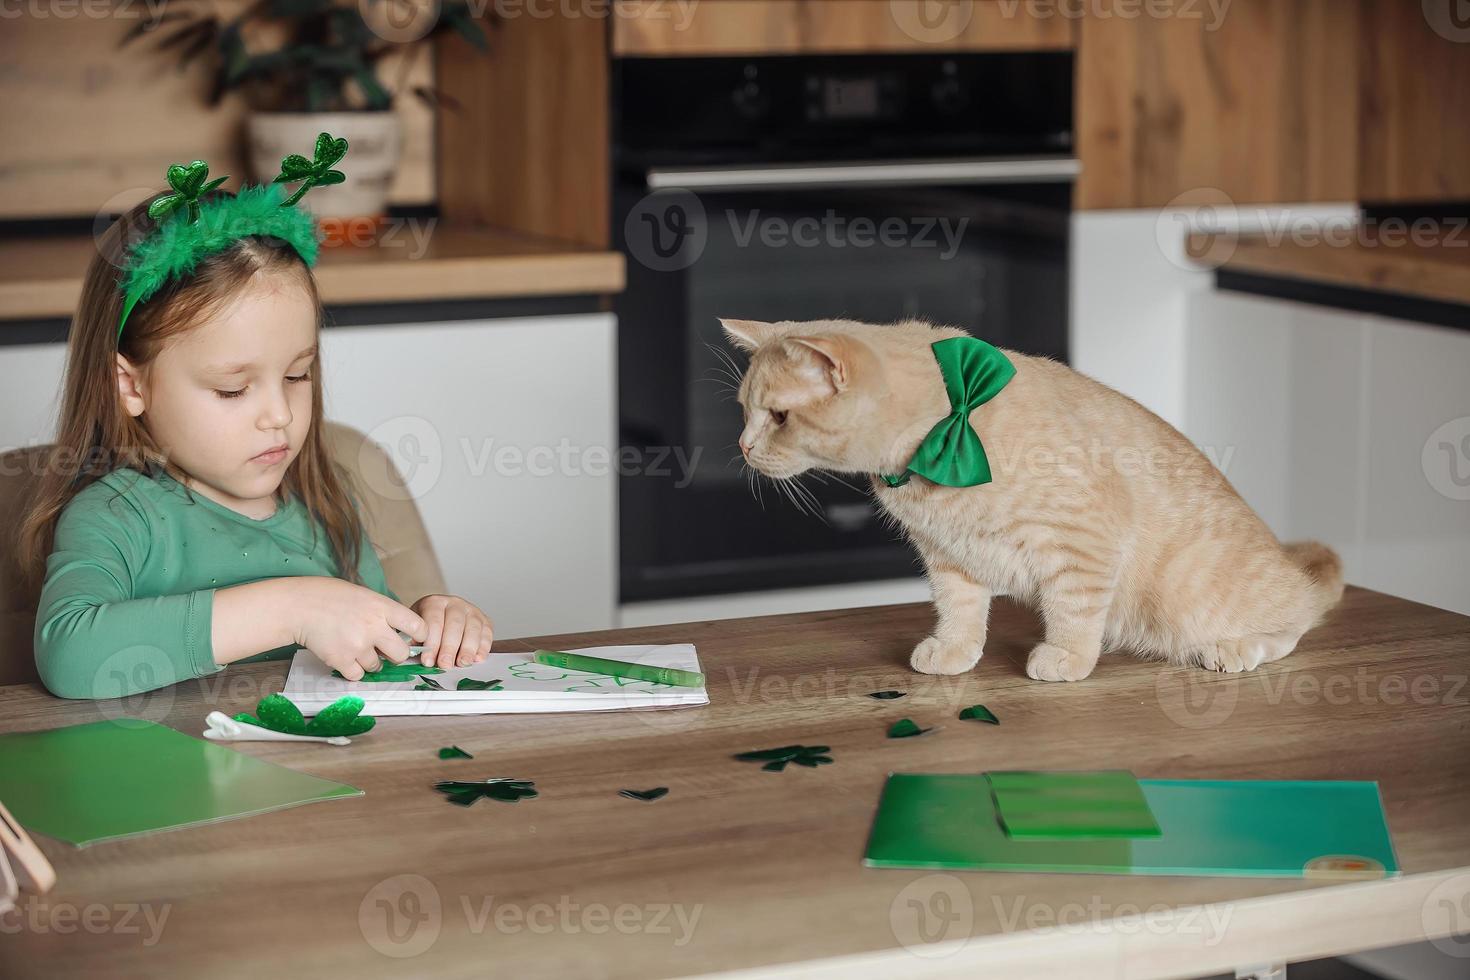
(1323, 567)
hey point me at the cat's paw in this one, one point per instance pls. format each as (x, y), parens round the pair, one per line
(1234, 656)
(934, 657)
(1052, 663)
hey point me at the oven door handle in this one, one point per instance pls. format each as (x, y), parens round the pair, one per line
(888, 173)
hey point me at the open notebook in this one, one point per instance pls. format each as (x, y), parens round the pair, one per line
(523, 685)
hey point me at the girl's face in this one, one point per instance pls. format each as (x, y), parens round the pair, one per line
(229, 402)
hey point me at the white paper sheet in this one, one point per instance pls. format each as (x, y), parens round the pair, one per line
(525, 686)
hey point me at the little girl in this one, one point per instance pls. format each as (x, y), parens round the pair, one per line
(190, 510)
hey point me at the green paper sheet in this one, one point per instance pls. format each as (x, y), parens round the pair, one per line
(1108, 803)
(111, 779)
(1286, 829)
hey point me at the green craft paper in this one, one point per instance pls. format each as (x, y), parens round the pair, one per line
(887, 695)
(646, 795)
(111, 779)
(454, 752)
(470, 684)
(1071, 804)
(906, 728)
(978, 712)
(388, 672)
(1210, 827)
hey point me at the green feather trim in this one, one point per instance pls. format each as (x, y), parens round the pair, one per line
(178, 245)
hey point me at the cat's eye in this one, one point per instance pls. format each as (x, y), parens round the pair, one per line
(780, 417)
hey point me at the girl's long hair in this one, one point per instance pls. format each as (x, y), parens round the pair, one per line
(95, 435)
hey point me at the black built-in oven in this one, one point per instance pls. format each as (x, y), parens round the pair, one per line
(799, 188)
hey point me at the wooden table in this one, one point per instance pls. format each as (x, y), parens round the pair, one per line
(739, 869)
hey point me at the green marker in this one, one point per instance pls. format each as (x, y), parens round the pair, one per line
(620, 668)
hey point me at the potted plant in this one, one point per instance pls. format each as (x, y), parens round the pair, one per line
(309, 66)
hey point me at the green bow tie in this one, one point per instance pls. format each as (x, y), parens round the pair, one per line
(974, 372)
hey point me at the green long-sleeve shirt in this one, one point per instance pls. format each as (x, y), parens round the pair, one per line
(129, 591)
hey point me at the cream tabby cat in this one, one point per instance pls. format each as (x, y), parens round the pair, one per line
(1099, 513)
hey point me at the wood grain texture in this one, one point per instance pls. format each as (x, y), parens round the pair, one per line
(1413, 84)
(416, 260)
(529, 150)
(1259, 105)
(1437, 272)
(754, 27)
(770, 863)
(89, 127)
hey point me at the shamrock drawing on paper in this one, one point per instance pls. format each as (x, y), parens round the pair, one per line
(776, 760)
(188, 184)
(316, 172)
(525, 670)
(466, 792)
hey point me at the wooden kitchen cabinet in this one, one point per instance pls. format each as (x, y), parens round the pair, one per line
(755, 27)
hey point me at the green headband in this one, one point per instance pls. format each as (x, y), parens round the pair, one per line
(201, 228)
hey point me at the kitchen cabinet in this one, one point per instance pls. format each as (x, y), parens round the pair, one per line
(1349, 428)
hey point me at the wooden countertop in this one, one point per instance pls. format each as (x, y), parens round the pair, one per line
(1439, 272)
(42, 276)
(764, 868)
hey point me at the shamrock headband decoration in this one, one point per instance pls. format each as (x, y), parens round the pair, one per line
(191, 229)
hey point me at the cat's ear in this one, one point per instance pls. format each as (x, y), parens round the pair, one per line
(748, 334)
(833, 356)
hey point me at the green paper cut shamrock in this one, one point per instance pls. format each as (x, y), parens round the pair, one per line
(454, 752)
(887, 695)
(646, 795)
(316, 172)
(388, 672)
(342, 717)
(427, 683)
(978, 712)
(470, 684)
(905, 728)
(188, 184)
(465, 793)
(776, 760)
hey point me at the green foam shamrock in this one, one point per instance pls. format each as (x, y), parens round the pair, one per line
(317, 172)
(465, 793)
(454, 752)
(776, 760)
(188, 184)
(277, 713)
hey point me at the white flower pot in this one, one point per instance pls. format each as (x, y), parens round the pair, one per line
(374, 144)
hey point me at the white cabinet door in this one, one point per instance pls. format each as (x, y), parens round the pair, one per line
(1417, 523)
(31, 395)
(505, 433)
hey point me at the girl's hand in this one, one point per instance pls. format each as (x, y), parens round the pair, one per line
(347, 626)
(459, 631)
